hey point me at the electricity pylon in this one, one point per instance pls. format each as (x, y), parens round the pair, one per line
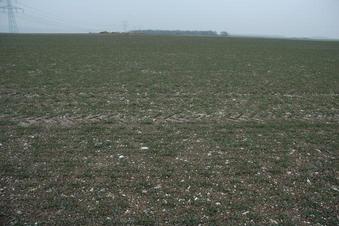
(11, 10)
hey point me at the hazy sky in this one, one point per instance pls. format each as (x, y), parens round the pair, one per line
(291, 18)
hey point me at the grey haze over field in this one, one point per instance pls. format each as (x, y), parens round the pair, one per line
(288, 18)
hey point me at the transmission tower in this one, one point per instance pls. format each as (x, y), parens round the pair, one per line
(11, 10)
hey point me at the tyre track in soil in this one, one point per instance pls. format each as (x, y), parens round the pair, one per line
(178, 117)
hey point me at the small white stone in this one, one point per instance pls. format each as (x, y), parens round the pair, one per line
(274, 221)
(245, 213)
(157, 187)
(110, 195)
(292, 152)
(334, 188)
(121, 156)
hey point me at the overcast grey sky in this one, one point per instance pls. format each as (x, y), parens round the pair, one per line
(290, 18)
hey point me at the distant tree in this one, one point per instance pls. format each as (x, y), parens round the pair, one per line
(224, 33)
(175, 32)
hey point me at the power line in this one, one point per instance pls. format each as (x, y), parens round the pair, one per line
(45, 14)
(37, 16)
(43, 17)
(51, 17)
(43, 20)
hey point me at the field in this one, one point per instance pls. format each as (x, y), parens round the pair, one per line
(113, 130)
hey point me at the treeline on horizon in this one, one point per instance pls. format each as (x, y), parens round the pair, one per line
(180, 32)
(172, 32)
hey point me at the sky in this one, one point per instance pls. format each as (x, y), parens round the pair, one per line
(285, 18)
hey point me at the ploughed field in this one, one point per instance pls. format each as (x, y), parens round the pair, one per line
(138, 130)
